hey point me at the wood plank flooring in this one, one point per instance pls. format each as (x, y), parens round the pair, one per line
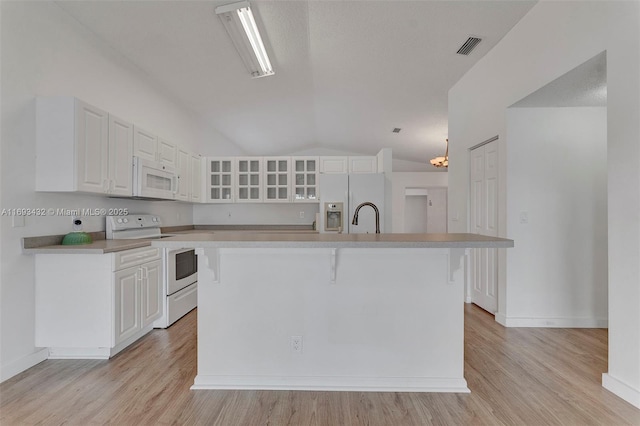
(517, 377)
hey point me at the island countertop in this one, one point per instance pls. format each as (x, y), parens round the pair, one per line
(311, 240)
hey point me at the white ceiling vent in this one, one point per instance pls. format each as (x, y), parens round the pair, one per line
(468, 45)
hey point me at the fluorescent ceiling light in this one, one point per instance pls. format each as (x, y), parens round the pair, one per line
(241, 27)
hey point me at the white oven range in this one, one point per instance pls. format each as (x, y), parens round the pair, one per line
(180, 267)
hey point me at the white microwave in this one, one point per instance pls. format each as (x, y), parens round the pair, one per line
(154, 180)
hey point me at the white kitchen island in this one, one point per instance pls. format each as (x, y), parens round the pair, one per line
(360, 312)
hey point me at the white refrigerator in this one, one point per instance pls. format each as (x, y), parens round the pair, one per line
(351, 190)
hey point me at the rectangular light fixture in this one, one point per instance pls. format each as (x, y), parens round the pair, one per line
(241, 27)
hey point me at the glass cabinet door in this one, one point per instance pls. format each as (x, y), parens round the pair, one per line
(305, 179)
(277, 172)
(220, 176)
(248, 179)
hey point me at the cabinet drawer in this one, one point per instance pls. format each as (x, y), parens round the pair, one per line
(128, 258)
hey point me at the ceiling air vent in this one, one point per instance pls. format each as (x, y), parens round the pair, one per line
(396, 130)
(468, 45)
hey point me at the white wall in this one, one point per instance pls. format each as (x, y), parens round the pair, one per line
(557, 37)
(46, 52)
(255, 214)
(404, 180)
(556, 164)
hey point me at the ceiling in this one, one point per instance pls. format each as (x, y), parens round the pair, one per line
(347, 72)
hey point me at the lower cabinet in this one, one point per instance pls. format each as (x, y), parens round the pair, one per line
(137, 299)
(95, 305)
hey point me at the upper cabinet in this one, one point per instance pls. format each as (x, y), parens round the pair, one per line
(148, 146)
(363, 164)
(196, 179)
(81, 148)
(248, 179)
(219, 179)
(277, 178)
(305, 179)
(120, 172)
(351, 164)
(334, 164)
(184, 176)
(167, 153)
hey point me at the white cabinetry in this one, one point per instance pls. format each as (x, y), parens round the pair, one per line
(81, 148)
(189, 177)
(184, 176)
(334, 164)
(196, 179)
(248, 179)
(148, 146)
(277, 178)
(363, 164)
(305, 179)
(352, 164)
(220, 177)
(167, 153)
(95, 305)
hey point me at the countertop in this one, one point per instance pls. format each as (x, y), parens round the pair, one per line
(231, 239)
(51, 244)
(97, 247)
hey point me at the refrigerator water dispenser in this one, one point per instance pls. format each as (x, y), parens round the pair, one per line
(333, 213)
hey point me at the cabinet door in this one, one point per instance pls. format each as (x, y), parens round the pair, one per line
(277, 180)
(248, 179)
(334, 165)
(145, 144)
(151, 292)
(196, 179)
(167, 153)
(127, 304)
(305, 179)
(120, 157)
(92, 145)
(220, 178)
(368, 164)
(184, 175)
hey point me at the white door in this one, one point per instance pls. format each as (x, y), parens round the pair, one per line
(145, 144)
(151, 292)
(196, 179)
(484, 221)
(184, 175)
(126, 303)
(120, 157)
(92, 130)
(437, 210)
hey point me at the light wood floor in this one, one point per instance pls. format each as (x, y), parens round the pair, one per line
(516, 376)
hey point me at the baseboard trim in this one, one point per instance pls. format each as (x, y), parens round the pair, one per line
(96, 353)
(621, 389)
(360, 384)
(16, 367)
(553, 322)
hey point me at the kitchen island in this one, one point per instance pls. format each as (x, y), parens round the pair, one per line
(359, 312)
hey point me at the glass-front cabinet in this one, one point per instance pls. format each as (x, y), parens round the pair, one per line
(220, 174)
(248, 179)
(277, 172)
(305, 179)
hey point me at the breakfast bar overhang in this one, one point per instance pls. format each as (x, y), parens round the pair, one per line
(338, 312)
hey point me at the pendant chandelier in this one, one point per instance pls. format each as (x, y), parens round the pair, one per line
(442, 161)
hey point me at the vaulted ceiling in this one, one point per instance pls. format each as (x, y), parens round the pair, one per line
(347, 72)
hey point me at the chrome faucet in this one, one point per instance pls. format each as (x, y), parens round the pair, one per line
(375, 209)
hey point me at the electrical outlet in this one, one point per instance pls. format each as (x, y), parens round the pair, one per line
(302, 215)
(296, 344)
